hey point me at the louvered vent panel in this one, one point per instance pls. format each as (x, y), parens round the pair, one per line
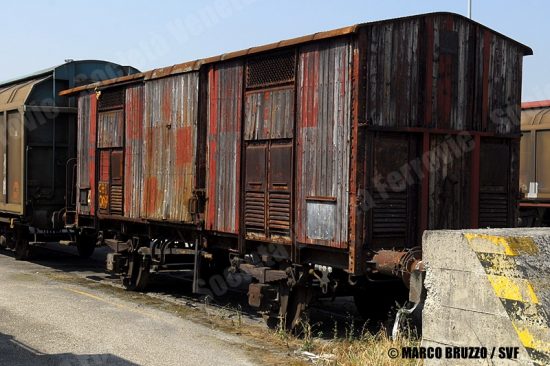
(112, 99)
(254, 215)
(279, 214)
(390, 214)
(116, 200)
(493, 209)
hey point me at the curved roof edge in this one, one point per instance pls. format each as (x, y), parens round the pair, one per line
(49, 70)
(536, 104)
(196, 64)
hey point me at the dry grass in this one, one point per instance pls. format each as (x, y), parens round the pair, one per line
(353, 347)
(369, 349)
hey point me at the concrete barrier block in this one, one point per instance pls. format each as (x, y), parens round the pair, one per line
(489, 288)
(470, 362)
(441, 250)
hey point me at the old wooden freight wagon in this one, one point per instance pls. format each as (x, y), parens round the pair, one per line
(314, 163)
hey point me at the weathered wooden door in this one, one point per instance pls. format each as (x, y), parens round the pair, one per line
(268, 190)
(110, 145)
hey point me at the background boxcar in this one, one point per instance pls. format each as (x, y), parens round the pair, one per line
(310, 164)
(38, 145)
(534, 180)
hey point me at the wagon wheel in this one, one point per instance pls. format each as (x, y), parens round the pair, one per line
(137, 277)
(3, 242)
(22, 248)
(298, 300)
(273, 317)
(85, 245)
(377, 301)
(292, 305)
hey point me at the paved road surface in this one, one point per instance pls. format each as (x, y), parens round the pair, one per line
(44, 321)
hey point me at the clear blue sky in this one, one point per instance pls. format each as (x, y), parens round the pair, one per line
(151, 34)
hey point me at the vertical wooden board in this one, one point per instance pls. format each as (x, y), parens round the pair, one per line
(86, 149)
(393, 74)
(269, 114)
(133, 153)
(83, 178)
(323, 147)
(104, 166)
(449, 180)
(170, 128)
(446, 56)
(110, 129)
(224, 146)
(470, 77)
(91, 137)
(504, 87)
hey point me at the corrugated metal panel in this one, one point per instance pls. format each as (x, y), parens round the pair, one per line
(171, 114)
(323, 149)
(86, 151)
(224, 146)
(110, 129)
(269, 114)
(133, 164)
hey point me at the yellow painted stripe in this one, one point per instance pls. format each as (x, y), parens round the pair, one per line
(500, 264)
(508, 284)
(87, 294)
(517, 289)
(512, 246)
(529, 340)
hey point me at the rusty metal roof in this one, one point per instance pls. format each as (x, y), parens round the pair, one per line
(14, 96)
(536, 104)
(195, 65)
